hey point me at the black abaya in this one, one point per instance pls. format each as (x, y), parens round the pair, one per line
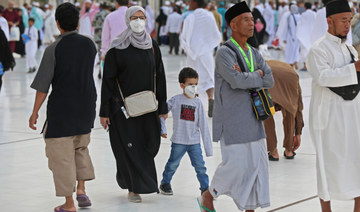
(134, 141)
(6, 57)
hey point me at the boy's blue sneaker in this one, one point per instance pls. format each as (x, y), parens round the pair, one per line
(166, 189)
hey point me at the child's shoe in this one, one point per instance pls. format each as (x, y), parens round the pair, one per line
(166, 189)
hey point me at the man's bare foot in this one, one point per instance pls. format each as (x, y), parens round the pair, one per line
(296, 66)
(66, 207)
(274, 153)
(80, 191)
(80, 187)
(289, 153)
(207, 200)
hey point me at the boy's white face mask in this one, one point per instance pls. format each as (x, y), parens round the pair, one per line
(137, 25)
(191, 90)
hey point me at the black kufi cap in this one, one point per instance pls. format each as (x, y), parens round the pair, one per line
(236, 10)
(337, 6)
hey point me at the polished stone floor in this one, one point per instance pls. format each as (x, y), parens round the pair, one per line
(26, 183)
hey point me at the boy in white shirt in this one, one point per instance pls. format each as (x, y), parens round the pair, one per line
(189, 121)
(31, 46)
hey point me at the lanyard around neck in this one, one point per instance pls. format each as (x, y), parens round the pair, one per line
(249, 64)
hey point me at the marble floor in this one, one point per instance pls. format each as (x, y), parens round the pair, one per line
(26, 183)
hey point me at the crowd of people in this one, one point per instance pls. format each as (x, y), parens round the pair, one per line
(134, 105)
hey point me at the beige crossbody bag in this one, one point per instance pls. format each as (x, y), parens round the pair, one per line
(140, 103)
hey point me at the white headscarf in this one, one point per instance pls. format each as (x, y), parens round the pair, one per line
(294, 9)
(141, 40)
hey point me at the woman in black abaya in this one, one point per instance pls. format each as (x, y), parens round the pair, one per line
(132, 59)
(6, 57)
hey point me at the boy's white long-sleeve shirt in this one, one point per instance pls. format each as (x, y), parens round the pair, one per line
(32, 33)
(189, 121)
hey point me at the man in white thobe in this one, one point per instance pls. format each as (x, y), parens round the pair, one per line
(199, 37)
(269, 16)
(51, 29)
(292, 49)
(334, 122)
(303, 32)
(283, 8)
(283, 25)
(320, 25)
(150, 19)
(87, 14)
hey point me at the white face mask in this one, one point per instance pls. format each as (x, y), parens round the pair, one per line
(137, 25)
(191, 90)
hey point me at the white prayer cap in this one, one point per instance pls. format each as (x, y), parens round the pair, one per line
(134, 3)
(88, 1)
(77, 4)
(167, 3)
(46, 6)
(179, 3)
(286, 1)
(36, 4)
(293, 2)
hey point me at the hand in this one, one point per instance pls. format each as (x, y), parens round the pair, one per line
(10, 23)
(261, 73)
(33, 120)
(103, 58)
(237, 68)
(165, 116)
(296, 142)
(105, 122)
(164, 135)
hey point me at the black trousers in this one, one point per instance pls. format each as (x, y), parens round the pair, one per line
(174, 42)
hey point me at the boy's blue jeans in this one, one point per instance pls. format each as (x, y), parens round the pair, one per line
(197, 161)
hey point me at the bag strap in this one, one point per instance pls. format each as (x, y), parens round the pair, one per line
(118, 84)
(351, 54)
(294, 19)
(239, 61)
(154, 70)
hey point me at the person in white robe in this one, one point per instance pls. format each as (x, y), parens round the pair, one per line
(334, 123)
(281, 32)
(51, 30)
(321, 27)
(259, 6)
(199, 37)
(4, 25)
(167, 9)
(150, 19)
(304, 30)
(87, 14)
(284, 7)
(269, 16)
(292, 49)
(31, 46)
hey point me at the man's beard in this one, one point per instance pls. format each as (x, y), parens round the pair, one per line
(87, 9)
(342, 37)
